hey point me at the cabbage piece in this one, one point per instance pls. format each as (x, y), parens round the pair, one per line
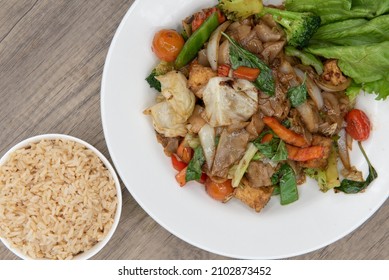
(229, 101)
(170, 115)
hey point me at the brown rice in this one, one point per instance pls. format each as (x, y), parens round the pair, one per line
(57, 199)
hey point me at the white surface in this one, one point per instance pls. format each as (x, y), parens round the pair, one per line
(100, 245)
(231, 229)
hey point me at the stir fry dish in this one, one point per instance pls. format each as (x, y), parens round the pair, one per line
(252, 99)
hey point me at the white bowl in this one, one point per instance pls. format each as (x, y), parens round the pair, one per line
(100, 245)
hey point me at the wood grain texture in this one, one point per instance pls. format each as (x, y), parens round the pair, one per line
(52, 55)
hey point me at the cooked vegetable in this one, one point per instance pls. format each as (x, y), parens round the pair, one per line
(223, 70)
(241, 57)
(200, 17)
(306, 58)
(271, 147)
(219, 191)
(161, 69)
(286, 178)
(170, 115)
(181, 177)
(304, 154)
(298, 94)
(167, 44)
(358, 125)
(243, 164)
(285, 134)
(247, 73)
(193, 171)
(349, 186)
(207, 137)
(196, 41)
(299, 27)
(237, 10)
(213, 45)
(228, 101)
(178, 164)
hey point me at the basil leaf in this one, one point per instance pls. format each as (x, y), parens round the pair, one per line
(287, 184)
(276, 190)
(194, 172)
(281, 152)
(297, 95)
(241, 57)
(349, 186)
(274, 150)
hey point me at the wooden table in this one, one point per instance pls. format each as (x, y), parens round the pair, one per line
(52, 55)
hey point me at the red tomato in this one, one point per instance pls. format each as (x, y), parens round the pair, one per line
(219, 191)
(167, 44)
(358, 125)
(178, 164)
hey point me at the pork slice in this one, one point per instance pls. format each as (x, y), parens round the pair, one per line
(259, 174)
(169, 144)
(230, 149)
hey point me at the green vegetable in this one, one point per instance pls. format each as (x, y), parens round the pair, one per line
(306, 58)
(161, 69)
(238, 10)
(349, 186)
(274, 150)
(366, 64)
(299, 26)
(287, 184)
(193, 171)
(337, 10)
(298, 94)
(353, 32)
(243, 164)
(196, 41)
(241, 57)
(328, 178)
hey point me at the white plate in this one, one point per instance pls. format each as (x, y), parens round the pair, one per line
(231, 229)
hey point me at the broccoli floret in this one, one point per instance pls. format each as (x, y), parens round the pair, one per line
(162, 68)
(237, 10)
(299, 27)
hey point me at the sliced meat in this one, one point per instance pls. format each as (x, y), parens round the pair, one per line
(319, 163)
(199, 76)
(266, 33)
(256, 198)
(259, 174)
(277, 105)
(230, 149)
(169, 144)
(256, 125)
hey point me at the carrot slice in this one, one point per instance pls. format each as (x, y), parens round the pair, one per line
(223, 70)
(285, 134)
(304, 154)
(248, 73)
(184, 153)
(267, 138)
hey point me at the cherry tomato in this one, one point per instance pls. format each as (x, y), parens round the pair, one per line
(219, 191)
(358, 125)
(167, 44)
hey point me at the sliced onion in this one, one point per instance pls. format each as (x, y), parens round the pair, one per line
(313, 90)
(308, 116)
(213, 44)
(326, 86)
(207, 137)
(343, 151)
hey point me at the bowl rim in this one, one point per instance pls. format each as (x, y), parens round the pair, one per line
(53, 136)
